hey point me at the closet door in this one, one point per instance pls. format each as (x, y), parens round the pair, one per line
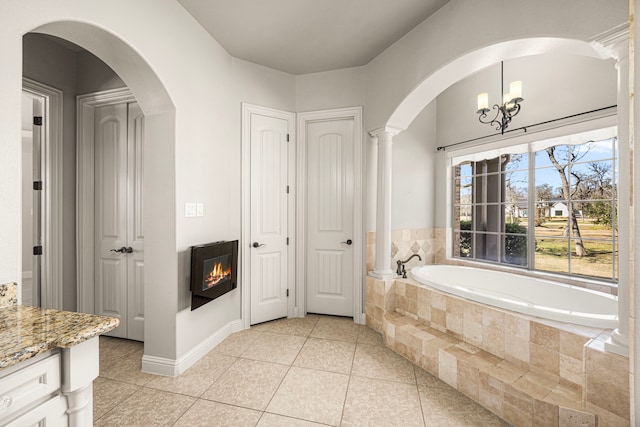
(135, 229)
(119, 233)
(330, 216)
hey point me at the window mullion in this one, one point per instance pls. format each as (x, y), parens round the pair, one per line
(531, 206)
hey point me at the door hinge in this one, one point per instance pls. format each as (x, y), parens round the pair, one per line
(287, 137)
(37, 120)
(37, 250)
(287, 241)
(287, 293)
(37, 185)
(287, 189)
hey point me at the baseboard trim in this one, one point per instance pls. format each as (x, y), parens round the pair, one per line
(360, 319)
(173, 367)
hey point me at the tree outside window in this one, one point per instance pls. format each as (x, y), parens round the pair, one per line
(573, 228)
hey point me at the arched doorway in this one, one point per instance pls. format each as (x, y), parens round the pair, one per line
(158, 174)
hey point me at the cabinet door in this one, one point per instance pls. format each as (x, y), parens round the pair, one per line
(50, 413)
(28, 385)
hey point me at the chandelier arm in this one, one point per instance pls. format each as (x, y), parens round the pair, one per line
(515, 110)
(493, 122)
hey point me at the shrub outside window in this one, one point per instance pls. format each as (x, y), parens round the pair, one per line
(549, 205)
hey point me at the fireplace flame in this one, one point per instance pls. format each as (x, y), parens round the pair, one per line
(217, 275)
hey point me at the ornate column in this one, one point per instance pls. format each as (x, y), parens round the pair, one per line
(616, 44)
(79, 369)
(382, 267)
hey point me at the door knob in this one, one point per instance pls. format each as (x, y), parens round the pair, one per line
(257, 245)
(123, 250)
(348, 242)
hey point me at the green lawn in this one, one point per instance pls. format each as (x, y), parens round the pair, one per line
(552, 254)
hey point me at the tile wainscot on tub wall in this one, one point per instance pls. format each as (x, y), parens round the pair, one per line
(527, 370)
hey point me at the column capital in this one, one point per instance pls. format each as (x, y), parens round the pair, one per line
(614, 42)
(383, 131)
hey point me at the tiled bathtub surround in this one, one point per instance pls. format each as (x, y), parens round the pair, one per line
(8, 294)
(527, 370)
(429, 243)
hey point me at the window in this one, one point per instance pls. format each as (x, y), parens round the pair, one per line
(568, 184)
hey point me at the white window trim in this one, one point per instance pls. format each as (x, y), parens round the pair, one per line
(499, 144)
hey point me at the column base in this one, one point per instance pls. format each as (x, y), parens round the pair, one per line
(617, 344)
(383, 275)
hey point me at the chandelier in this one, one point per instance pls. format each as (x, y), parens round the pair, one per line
(510, 104)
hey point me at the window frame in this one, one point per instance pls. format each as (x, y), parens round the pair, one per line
(527, 143)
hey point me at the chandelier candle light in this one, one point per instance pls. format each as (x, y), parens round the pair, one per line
(510, 104)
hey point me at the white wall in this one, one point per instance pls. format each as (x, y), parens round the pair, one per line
(463, 26)
(331, 89)
(413, 182)
(253, 84)
(554, 86)
(195, 81)
(93, 75)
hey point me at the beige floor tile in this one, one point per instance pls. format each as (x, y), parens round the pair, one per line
(336, 328)
(108, 393)
(273, 420)
(148, 407)
(263, 327)
(377, 362)
(311, 395)
(128, 370)
(112, 350)
(247, 383)
(275, 348)
(326, 355)
(204, 413)
(446, 405)
(425, 378)
(197, 379)
(373, 402)
(250, 371)
(238, 343)
(301, 326)
(369, 336)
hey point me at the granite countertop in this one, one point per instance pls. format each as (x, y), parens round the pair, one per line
(27, 331)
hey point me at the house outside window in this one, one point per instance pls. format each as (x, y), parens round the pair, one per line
(568, 184)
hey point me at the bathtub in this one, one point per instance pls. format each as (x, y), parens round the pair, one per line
(527, 295)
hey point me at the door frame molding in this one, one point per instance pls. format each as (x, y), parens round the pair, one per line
(355, 114)
(293, 310)
(85, 187)
(51, 291)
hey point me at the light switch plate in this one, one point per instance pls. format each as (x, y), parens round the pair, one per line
(200, 209)
(189, 210)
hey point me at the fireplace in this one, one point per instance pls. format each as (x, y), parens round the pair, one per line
(213, 271)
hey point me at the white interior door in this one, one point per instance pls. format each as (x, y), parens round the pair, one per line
(330, 216)
(32, 200)
(119, 264)
(135, 229)
(269, 251)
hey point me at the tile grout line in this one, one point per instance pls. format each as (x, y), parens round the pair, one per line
(415, 374)
(306, 338)
(353, 359)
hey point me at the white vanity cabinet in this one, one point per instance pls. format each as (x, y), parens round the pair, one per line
(30, 392)
(48, 361)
